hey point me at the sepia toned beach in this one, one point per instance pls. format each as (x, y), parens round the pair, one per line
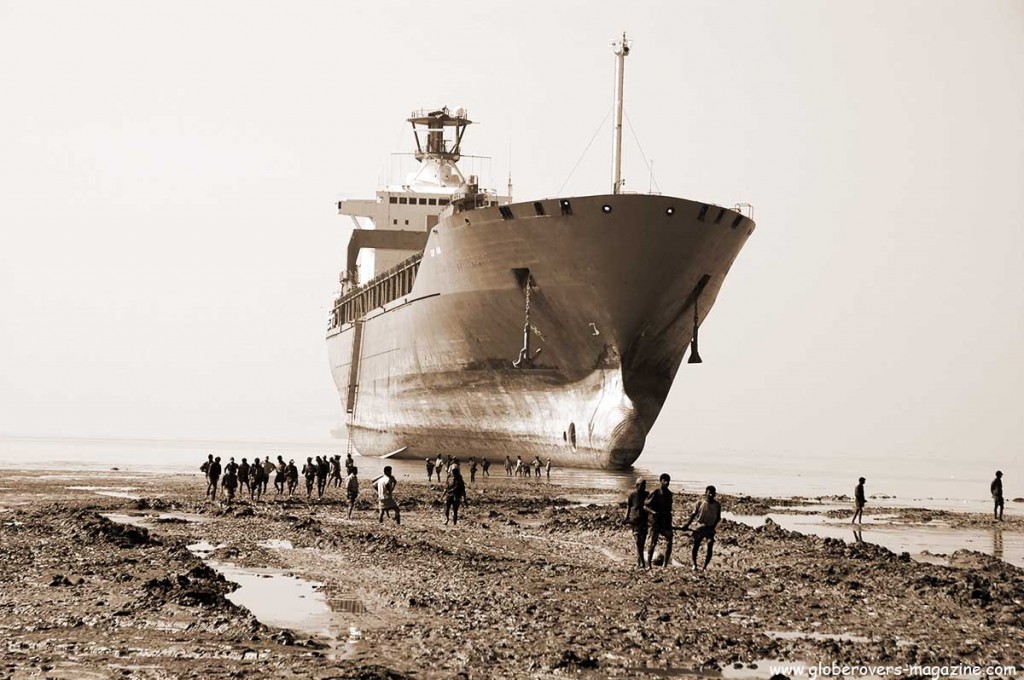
(117, 574)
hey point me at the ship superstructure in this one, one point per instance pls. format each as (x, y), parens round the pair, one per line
(549, 328)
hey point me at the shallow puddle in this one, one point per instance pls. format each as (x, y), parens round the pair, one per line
(924, 543)
(115, 491)
(275, 544)
(799, 635)
(277, 599)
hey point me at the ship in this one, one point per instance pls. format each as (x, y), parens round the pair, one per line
(550, 328)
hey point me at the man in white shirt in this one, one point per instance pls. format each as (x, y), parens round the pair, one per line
(385, 499)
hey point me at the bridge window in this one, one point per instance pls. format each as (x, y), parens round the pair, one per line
(423, 201)
(431, 201)
(394, 199)
(403, 200)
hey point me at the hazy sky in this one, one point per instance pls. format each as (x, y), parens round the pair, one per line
(169, 244)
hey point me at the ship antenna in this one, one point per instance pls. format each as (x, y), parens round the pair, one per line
(621, 49)
(509, 194)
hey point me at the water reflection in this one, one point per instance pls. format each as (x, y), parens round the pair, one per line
(858, 536)
(997, 543)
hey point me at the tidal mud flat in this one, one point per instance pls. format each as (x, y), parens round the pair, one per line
(536, 581)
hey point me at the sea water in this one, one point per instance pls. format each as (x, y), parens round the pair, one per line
(916, 480)
(958, 484)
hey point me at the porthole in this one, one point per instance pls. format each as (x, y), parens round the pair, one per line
(606, 208)
(670, 211)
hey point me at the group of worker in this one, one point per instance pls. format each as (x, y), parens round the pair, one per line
(650, 516)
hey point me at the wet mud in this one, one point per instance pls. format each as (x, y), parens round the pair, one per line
(536, 581)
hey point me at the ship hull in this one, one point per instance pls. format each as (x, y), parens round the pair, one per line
(614, 282)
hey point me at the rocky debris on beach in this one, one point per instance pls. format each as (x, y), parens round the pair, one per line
(530, 584)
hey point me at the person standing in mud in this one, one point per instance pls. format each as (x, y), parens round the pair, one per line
(352, 488)
(268, 469)
(323, 469)
(336, 470)
(243, 476)
(205, 469)
(858, 502)
(485, 467)
(309, 472)
(508, 466)
(292, 477)
(256, 475)
(659, 505)
(214, 477)
(636, 517)
(230, 482)
(708, 514)
(385, 496)
(472, 469)
(279, 477)
(438, 465)
(537, 465)
(430, 469)
(519, 465)
(454, 495)
(349, 463)
(997, 496)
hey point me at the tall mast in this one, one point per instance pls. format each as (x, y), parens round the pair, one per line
(620, 48)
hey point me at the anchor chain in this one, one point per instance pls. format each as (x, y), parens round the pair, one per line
(525, 357)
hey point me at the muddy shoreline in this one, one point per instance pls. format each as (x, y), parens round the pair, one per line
(536, 581)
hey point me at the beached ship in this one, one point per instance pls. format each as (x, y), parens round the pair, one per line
(549, 328)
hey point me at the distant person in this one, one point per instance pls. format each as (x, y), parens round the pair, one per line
(385, 495)
(243, 475)
(659, 505)
(336, 471)
(537, 465)
(279, 477)
(323, 470)
(454, 495)
(256, 475)
(231, 468)
(268, 469)
(292, 477)
(205, 469)
(997, 496)
(636, 518)
(439, 466)
(708, 514)
(213, 477)
(349, 463)
(508, 466)
(230, 482)
(485, 466)
(472, 469)
(352, 488)
(519, 465)
(309, 472)
(548, 467)
(430, 469)
(858, 502)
